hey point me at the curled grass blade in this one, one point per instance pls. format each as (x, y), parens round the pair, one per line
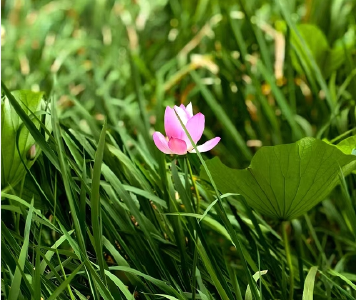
(308, 290)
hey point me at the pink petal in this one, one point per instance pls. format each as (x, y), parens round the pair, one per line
(195, 127)
(189, 109)
(207, 145)
(172, 125)
(161, 142)
(182, 114)
(177, 146)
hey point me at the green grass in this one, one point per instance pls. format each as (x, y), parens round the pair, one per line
(103, 214)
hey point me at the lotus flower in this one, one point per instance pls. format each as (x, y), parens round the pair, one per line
(177, 142)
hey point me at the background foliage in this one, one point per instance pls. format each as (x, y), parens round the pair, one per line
(97, 214)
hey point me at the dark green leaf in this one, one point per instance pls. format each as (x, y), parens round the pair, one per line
(285, 181)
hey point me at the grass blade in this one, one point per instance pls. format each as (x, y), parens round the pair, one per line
(16, 281)
(309, 284)
(95, 202)
(221, 115)
(64, 285)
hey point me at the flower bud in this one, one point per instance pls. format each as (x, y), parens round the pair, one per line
(31, 154)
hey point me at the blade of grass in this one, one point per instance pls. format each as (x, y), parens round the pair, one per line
(64, 275)
(221, 115)
(43, 219)
(212, 272)
(282, 102)
(66, 178)
(159, 283)
(121, 261)
(316, 71)
(140, 98)
(233, 279)
(96, 284)
(50, 254)
(188, 207)
(348, 207)
(256, 277)
(95, 202)
(270, 114)
(308, 290)
(65, 284)
(144, 225)
(37, 273)
(222, 214)
(16, 281)
(297, 228)
(83, 199)
(344, 278)
(284, 226)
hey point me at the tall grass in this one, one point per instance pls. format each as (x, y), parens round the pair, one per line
(103, 214)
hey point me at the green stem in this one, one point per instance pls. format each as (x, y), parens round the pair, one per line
(195, 186)
(285, 224)
(195, 258)
(316, 241)
(223, 216)
(6, 189)
(343, 135)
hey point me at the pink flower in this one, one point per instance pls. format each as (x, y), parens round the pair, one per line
(177, 142)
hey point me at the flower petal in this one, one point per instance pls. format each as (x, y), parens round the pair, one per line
(207, 145)
(195, 127)
(172, 125)
(177, 146)
(189, 109)
(182, 114)
(161, 142)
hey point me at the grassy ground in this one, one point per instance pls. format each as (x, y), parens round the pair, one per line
(97, 214)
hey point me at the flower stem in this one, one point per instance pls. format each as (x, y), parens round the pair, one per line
(195, 186)
(284, 226)
(195, 258)
(223, 216)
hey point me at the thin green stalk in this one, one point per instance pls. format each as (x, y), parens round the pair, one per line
(284, 226)
(194, 267)
(64, 275)
(297, 229)
(223, 216)
(95, 203)
(290, 73)
(233, 279)
(140, 99)
(343, 135)
(195, 187)
(316, 241)
(17, 225)
(195, 257)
